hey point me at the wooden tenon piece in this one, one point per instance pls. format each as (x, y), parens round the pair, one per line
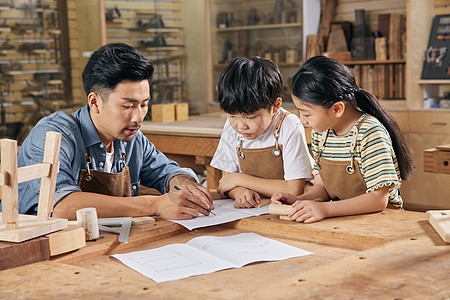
(11, 176)
(440, 220)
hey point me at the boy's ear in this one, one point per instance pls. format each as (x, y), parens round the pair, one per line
(277, 104)
(93, 99)
(338, 108)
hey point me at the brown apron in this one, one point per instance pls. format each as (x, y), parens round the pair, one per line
(342, 179)
(111, 184)
(263, 162)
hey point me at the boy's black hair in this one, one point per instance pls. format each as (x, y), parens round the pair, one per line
(324, 81)
(112, 64)
(249, 84)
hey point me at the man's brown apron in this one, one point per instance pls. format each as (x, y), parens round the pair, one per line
(342, 179)
(263, 162)
(111, 184)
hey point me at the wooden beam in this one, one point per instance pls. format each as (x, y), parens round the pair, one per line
(10, 191)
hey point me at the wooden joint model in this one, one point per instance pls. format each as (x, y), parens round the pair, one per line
(11, 176)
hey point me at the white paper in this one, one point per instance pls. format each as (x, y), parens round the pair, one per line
(225, 212)
(207, 254)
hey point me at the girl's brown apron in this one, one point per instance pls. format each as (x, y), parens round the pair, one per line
(263, 162)
(342, 179)
(111, 184)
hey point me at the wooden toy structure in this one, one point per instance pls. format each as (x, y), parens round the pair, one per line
(15, 227)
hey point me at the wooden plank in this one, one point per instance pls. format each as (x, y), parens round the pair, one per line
(14, 255)
(440, 220)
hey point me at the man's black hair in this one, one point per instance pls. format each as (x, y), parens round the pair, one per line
(249, 84)
(112, 64)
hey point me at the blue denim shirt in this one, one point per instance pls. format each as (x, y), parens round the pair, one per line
(148, 166)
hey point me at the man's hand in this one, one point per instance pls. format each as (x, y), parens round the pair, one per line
(229, 182)
(246, 199)
(188, 202)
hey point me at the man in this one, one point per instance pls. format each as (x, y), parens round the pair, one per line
(104, 157)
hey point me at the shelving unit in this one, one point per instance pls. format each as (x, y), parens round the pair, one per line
(271, 29)
(33, 76)
(155, 29)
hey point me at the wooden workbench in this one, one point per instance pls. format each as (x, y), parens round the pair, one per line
(195, 139)
(387, 255)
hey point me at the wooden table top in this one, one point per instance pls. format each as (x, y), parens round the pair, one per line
(388, 255)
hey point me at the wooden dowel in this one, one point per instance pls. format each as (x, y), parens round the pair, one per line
(279, 209)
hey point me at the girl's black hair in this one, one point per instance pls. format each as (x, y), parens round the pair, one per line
(325, 81)
(249, 84)
(112, 64)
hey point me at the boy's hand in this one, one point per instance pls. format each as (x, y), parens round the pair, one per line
(283, 198)
(307, 211)
(247, 199)
(228, 182)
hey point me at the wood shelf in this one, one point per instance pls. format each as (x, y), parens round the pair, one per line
(259, 27)
(373, 62)
(280, 64)
(434, 81)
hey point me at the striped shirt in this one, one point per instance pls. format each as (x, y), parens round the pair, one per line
(374, 154)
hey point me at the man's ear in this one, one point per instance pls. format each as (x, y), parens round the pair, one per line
(277, 104)
(338, 108)
(93, 101)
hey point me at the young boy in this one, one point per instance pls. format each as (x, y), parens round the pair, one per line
(263, 148)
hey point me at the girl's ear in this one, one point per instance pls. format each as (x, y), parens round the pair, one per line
(277, 104)
(338, 108)
(93, 99)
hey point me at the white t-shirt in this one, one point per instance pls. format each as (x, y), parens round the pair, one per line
(109, 160)
(297, 161)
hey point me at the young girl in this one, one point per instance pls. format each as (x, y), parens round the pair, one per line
(360, 155)
(263, 148)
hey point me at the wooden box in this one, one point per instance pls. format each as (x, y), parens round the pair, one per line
(181, 111)
(163, 112)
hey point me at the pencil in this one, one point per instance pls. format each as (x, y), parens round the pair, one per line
(207, 209)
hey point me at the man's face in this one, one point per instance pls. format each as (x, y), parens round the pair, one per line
(122, 114)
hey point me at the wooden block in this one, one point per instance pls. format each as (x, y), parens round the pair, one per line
(381, 48)
(142, 220)
(30, 227)
(10, 191)
(436, 161)
(181, 111)
(440, 220)
(284, 218)
(163, 112)
(14, 255)
(66, 240)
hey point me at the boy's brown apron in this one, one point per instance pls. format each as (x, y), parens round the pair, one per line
(342, 179)
(111, 184)
(263, 162)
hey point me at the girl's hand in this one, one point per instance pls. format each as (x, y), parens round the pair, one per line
(308, 211)
(228, 182)
(247, 199)
(283, 198)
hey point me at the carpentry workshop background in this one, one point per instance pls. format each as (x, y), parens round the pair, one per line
(399, 50)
